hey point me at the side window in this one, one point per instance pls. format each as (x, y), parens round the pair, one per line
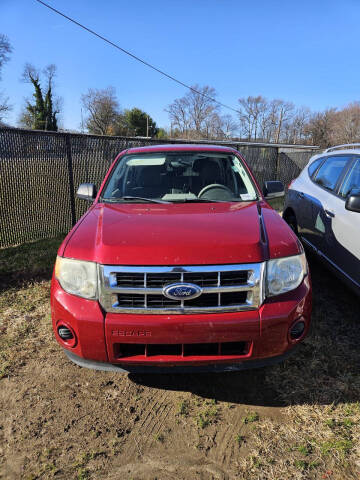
(330, 171)
(314, 166)
(352, 180)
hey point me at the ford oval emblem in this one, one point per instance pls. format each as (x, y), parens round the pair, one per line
(182, 291)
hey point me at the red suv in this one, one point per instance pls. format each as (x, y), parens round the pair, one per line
(180, 263)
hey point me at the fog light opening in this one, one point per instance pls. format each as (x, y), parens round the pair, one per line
(65, 333)
(297, 330)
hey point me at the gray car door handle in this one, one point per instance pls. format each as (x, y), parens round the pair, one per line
(329, 213)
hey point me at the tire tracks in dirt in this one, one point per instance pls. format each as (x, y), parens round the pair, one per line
(153, 415)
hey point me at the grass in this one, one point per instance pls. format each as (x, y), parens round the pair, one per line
(304, 450)
(208, 415)
(82, 473)
(184, 407)
(240, 439)
(277, 203)
(251, 417)
(24, 310)
(24, 298)
(159, 437)
(28, 261)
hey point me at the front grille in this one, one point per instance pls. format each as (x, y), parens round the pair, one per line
(225, 288)
(125, 350)
(160, 301)
(131, 301)
(233, 278)
(130, 279)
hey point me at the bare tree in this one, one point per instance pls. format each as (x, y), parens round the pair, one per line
(102, 110)
(346, 124)
(228, 126)
(212, 126)
(5, 107)
(179, 116)
(252, 115)
(297, 126)
(25, 119)
(201, 105)
(193, 113)
(5, 51)
(283, 113)
(266, 120)
(320, 127)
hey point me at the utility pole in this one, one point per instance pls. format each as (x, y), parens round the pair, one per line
(147, 125)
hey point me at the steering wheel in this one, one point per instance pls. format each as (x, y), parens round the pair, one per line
(216, 186)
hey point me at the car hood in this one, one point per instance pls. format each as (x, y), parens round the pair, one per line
(178, 234)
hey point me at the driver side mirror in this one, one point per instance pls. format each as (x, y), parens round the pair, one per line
(273, 189)
(86, 191)
(353, 201)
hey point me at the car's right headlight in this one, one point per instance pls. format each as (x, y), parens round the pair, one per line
(77, 277)
(285, 274)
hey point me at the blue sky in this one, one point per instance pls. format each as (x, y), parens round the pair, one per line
(306, 52)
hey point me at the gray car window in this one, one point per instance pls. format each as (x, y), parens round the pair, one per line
(314, 166)
(352, 180)
(330, 171)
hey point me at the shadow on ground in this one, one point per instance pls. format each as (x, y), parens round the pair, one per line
(324, 370)
(28, 262)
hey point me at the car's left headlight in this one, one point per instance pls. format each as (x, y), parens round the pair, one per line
(285, 274)
(77, 277)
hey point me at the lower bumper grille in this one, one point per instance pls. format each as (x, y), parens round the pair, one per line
(126, 350)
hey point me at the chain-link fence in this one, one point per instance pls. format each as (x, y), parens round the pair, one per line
(41, 171)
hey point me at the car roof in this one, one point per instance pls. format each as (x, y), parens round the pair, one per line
(181, 148)
(347, 151)
(340, 150)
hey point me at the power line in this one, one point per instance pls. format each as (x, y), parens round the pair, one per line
(136, 58)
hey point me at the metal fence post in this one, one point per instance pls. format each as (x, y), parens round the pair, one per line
(71, 178)
(277, 173)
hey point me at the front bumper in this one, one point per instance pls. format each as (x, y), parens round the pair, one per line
(100, 335)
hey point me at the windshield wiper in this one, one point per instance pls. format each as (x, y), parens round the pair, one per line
(204, 200)
(130, 198)
(200, 200)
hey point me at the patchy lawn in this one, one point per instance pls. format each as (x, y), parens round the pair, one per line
(297, 420)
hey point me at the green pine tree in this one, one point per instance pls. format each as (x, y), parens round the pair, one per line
(42, 112)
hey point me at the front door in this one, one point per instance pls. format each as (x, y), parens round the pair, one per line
(326, 185)
(345, 236)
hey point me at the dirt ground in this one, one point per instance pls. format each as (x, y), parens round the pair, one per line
(297, 420)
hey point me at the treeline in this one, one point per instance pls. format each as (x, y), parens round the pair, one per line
(196, 115)
(259, 119)
(280, 121)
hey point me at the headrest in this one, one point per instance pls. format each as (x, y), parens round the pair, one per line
(150, 176)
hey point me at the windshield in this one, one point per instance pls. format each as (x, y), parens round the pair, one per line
(179, 177)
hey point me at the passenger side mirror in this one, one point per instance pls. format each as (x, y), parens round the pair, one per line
(273, 189)
(86, 191)
(353, 201)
